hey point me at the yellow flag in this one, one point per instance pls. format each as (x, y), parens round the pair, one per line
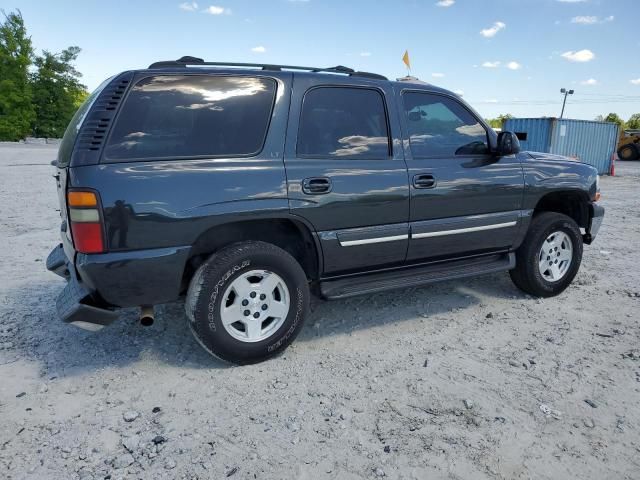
(405, 59)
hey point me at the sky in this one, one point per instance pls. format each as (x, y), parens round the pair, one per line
(503, 56)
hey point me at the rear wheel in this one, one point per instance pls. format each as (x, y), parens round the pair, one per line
(629, 152)
(550, 256)
(247, 302)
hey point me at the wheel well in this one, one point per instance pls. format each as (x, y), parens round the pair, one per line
(572, 204)
(292, 236)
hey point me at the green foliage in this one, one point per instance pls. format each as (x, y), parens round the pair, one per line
(499, 121)
(16, 109)
(634, 122)
(57, 91)
(614, 118)
(41, 102)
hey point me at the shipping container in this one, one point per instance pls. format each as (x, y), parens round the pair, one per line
(590, 142)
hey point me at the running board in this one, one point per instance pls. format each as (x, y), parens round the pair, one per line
(415, 276)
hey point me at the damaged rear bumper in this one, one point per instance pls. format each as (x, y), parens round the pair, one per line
(75, 304)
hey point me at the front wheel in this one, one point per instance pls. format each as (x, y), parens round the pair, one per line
(550, 256)
(247, 302)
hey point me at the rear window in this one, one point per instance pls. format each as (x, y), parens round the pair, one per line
(70, 134)
(170, 116)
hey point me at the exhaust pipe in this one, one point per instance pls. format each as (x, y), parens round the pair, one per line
(146, 315)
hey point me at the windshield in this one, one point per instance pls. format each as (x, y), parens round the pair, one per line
(70, 134)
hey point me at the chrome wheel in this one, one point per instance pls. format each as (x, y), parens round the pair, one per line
(255, 305)
(555, 256)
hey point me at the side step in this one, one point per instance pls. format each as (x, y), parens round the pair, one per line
(415, 276)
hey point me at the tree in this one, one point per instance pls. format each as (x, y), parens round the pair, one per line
(634, 122)
(57, 91)
(614, 118)
(499, 121)
(16, 109)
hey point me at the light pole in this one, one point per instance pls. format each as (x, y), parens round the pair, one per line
(566, 92)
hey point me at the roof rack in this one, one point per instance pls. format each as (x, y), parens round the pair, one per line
(187, 61)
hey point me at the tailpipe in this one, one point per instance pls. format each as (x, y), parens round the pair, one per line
(146, 315)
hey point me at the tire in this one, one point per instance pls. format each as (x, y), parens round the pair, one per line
(235, 275)
(629, 152)
(527, 274)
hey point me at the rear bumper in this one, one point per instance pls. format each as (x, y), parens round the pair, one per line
(75, 303)
(134, 278)
(596, 215)
(118, 279)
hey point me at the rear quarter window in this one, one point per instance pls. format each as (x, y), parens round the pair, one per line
(181, 116)
(71, 133)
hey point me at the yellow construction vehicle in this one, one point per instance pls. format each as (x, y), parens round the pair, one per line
(629, 145)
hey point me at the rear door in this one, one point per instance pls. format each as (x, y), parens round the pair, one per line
(463, 199)
(345, 171)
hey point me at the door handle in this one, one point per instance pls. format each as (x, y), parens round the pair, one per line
(424, 180)
(316, 185)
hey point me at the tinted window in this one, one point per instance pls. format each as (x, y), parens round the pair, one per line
(192, 115)
(70, 134)
(343, 122)
(440, 126)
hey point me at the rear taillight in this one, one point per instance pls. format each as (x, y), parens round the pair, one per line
(84, 218)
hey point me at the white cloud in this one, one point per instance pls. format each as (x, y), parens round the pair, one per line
(591, 19)
(635, 81)
(491, 100)
(188, 6)
(491, 64)
(590, 82)
(491, 31)
(365, 54)
(460, 93)
(579, 56)
(258, 49)
(445, 3)
(572, 1)
(215, 10)
(437, 75)
(514, 66)
(585, 20)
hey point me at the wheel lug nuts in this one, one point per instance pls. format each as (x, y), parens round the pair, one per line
(246, 313)
(264, 307)
(262, 296)
(256, 315)
(252, 294)
(245, 302)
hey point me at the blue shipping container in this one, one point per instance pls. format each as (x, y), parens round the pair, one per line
(591, 142)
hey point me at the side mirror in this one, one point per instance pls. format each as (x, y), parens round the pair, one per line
(508, 144)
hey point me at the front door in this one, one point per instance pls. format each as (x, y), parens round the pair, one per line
(344, 175)
(464, 200)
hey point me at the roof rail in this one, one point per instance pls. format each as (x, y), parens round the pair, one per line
(187, 61)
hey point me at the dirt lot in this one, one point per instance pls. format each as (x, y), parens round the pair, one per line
(445, 381)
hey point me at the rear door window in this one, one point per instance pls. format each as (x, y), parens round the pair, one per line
(169, 116)
(440, 126)
(343, 122)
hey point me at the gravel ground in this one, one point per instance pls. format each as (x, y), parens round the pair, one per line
(463, 379)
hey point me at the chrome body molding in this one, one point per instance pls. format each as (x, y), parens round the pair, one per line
(367, 241)
(456, 231)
